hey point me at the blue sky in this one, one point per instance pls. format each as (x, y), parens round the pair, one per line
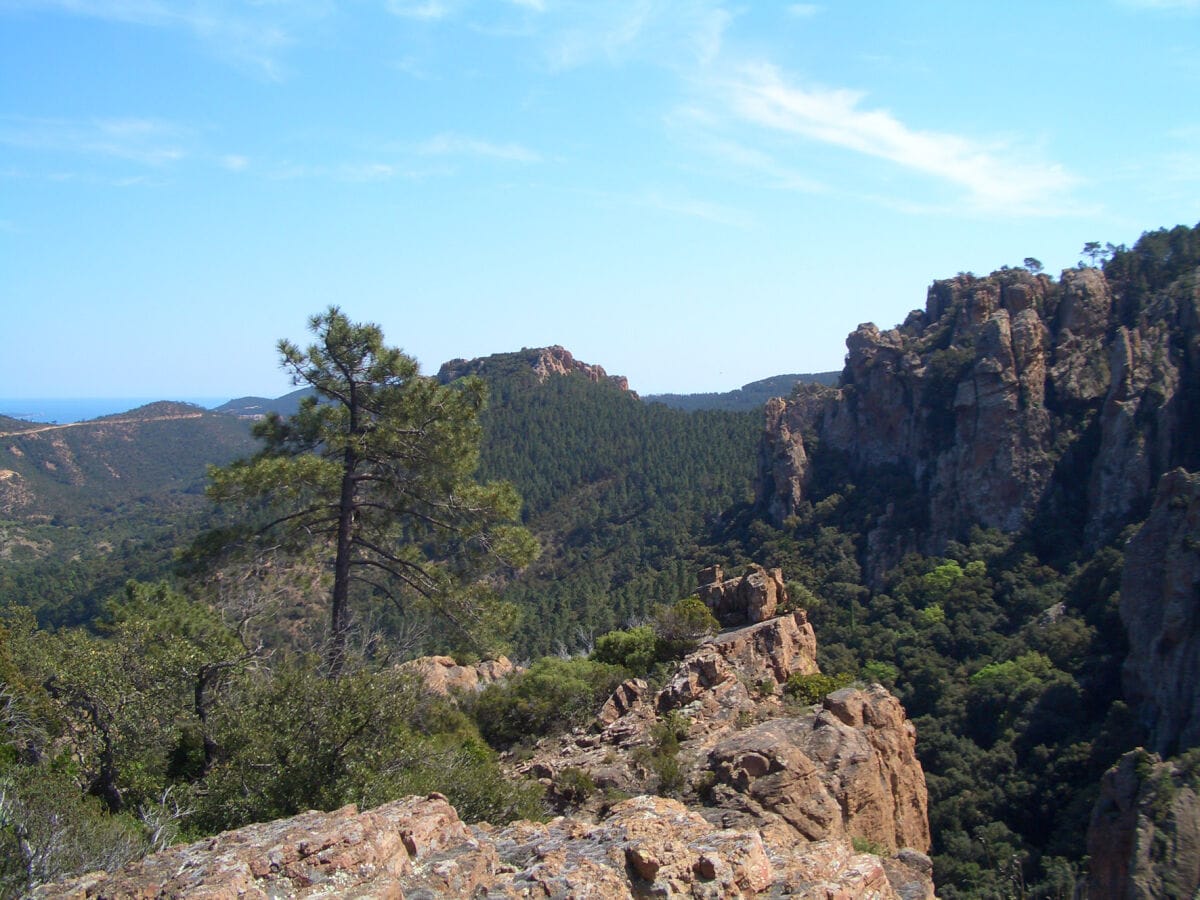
(695, 194)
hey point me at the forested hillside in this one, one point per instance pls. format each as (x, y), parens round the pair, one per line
(621, 495)
(85, 507)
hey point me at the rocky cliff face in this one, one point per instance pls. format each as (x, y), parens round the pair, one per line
(1160, 608)
(1008, 398)
(1144, 836)
(543, 361)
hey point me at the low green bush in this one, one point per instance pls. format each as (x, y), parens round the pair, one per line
(813, 688)
(682, 626)
(574, 784)
(635, 649)
(551, 696)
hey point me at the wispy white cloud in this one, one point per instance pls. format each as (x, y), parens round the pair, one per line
(352, 172)
(1167, 5)
(438, 157)
(569, 34)
(234, 162)
(700, 128)
(803, 10)
(460, 145)
(776, 173)
(606, 33)
(370, 171)
(994, 176)
(252, 35)
(424, 10)
(696, 209)
(670, 202)
(672, 34)
(147, 142)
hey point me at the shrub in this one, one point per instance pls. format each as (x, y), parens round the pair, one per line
(49, 831)
(553, 695)
(878, 671)
(574, 784)
(681, 626)
(660, 758)
(465, 771)
(866, 845)
(669, 774)
(297, 740)
(635, 649)
(813, 688)
(799, 597)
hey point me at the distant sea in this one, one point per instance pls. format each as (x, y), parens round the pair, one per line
(61, 410)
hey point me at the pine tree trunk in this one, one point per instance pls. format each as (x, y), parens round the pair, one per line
(339, 619)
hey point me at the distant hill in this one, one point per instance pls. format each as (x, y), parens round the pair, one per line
(543, 362)
(74, 472)
(257, 407)
(160, 410)
(9, 425)
(88, 505)
(748, 397)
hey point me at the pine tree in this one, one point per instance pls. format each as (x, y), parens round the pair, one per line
(375, 475)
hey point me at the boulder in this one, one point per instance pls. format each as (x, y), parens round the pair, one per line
(848, 772)
(442, 675)
(308, 855)
(747, 599)
(716, 675)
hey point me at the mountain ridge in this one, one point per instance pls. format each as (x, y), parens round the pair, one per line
(748, 396)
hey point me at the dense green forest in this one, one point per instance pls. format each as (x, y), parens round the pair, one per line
(1008, 667)
(620, 494)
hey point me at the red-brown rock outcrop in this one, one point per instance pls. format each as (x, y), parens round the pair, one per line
(744, 600)
(442, 674)
(337, 853)
(849, 771)
(1008, 398)
(749, 760)
(543, 361)
(718, 677)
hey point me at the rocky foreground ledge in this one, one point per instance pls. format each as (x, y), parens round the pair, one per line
(775, 799)
(419, 848)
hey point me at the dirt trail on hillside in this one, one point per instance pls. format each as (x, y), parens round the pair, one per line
(95, 422)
